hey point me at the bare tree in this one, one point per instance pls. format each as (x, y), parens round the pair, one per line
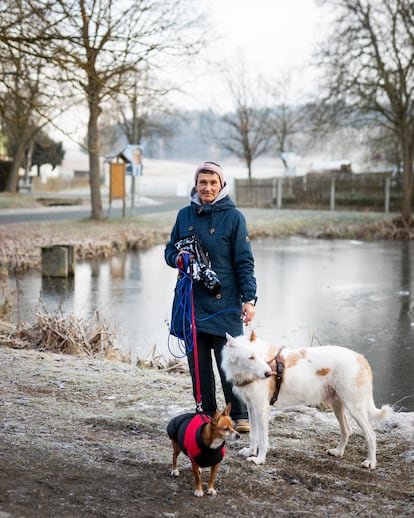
(104, 41)
(96, 43)
(246, 129)
(369, 60)
(287, 115)
(23, 94)
(382, 148)
(140, 109)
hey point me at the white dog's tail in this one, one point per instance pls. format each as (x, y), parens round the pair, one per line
(381, 414)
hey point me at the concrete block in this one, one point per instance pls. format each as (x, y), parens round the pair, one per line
(58, 261)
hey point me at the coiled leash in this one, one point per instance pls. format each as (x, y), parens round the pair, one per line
(181, 322)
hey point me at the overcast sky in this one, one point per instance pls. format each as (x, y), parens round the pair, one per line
(273, 32)
(273, 35)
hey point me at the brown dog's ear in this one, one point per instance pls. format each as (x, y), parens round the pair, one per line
(226, 411)
(252, 336)
(215, 419)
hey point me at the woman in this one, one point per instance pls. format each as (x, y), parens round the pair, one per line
(211, 229)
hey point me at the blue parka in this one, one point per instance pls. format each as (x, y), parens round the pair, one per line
(222, 230)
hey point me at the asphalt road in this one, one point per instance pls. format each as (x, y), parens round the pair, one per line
(154, 205)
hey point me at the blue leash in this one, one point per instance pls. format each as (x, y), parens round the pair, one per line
(183, 290)
(184, 311)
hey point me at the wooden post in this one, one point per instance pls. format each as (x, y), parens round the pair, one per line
(332, 193)
(279, 193)
(387, 194)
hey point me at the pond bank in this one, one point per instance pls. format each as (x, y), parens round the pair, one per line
(21, 242)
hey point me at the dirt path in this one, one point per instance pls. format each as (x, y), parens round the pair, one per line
(87, 438)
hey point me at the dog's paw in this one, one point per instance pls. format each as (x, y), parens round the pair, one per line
(198, 492)
(246, 452)
(174, 472)
(256, 460)
(335, 452)
(211, 491)
(369, 464)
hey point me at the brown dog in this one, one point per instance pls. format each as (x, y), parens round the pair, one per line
(202, 439)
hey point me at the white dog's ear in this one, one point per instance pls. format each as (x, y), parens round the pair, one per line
(232, 348)
(230, 340)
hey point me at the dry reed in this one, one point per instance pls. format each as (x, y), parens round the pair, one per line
(395, 229)
(66, 334)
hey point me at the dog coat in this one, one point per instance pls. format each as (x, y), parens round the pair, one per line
(185, 429)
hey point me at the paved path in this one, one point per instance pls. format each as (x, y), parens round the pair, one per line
(143, 205)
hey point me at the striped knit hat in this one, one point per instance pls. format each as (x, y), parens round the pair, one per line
(209, 167)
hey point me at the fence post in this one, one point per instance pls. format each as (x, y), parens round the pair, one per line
(274, 190)
(332, 193)
(279, 193)
(387, 195)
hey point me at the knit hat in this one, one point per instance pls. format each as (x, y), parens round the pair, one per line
(209, 167)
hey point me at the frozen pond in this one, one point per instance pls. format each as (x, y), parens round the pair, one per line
(351, 293)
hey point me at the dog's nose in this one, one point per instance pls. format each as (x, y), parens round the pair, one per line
(268, 374)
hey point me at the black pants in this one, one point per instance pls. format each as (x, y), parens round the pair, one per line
(206, 345)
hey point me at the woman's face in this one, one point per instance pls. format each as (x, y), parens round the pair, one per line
(208, 186)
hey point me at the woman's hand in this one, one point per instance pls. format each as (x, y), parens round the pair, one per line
(179, 261)
(248, 312)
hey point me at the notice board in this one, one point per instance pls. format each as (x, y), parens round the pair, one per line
(117, 181)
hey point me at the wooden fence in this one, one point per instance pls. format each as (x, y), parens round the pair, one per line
(368, 191)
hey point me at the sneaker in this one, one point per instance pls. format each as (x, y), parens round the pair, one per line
(242, 425)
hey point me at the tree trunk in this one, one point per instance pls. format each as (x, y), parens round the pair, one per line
(13, 179)
(249, 168)
(407, 192)
(94, 172)
(28, 161)
(407, 182)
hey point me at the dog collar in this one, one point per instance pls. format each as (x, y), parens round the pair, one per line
(244, 382)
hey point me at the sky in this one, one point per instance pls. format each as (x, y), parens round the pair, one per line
(271, 32)
(271, 35)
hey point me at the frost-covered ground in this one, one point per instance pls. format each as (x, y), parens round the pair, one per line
(84, 437)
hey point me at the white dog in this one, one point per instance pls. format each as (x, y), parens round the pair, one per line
(307, 376)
